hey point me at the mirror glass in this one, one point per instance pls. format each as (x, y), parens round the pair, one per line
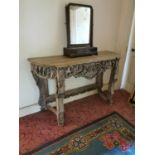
(80, 18)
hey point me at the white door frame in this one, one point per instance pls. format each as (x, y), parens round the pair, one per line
(128, 55)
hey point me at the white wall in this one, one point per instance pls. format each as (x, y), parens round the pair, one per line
(43, 33)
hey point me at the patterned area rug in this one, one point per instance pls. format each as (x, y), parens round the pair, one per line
(110, 135)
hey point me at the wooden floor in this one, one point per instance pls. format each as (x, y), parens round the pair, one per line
(40, 128)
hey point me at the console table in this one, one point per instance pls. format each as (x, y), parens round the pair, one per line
(61, 67)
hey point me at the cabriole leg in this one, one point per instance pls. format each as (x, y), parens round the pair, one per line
(43, 90)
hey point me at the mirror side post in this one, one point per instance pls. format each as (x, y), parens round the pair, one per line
(68, 25)
(91, 27)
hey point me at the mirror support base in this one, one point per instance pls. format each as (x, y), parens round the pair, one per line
(80, 51)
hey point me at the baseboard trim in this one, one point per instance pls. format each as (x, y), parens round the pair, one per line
(24, 111)
(30, 109)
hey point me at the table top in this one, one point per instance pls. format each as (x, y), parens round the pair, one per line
(61, 61)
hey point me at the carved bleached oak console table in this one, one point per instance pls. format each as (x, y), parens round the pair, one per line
(61, 67)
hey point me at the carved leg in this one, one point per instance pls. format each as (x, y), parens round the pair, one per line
(99, 83)
(60, 81)
(112, 80)
(43, 90)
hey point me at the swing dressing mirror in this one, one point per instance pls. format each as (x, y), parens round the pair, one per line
(79, 24)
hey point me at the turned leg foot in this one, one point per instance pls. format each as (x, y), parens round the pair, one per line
(60, 118)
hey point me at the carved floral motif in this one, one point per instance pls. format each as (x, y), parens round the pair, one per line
(44, 71)
(87, 70)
